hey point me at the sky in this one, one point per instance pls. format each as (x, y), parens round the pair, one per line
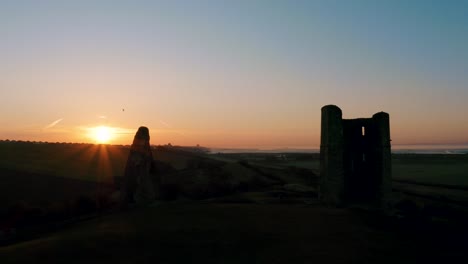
(234, 74)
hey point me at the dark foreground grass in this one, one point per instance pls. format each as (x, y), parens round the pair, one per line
(37, 189)
(96, 163)
(431, 168)
(101, 163)
(179, 232)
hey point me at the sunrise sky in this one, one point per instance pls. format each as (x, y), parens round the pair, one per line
(237, 74)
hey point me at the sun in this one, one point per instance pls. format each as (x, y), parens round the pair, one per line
(102, 134)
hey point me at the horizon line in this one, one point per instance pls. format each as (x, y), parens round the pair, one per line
(398, 146)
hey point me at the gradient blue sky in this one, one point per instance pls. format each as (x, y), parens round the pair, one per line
(232, 73)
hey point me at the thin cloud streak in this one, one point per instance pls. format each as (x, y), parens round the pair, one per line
(51, 125)
(165, 124)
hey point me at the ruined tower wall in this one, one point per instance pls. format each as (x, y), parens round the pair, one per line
(383, 157)
(360, 180)
(331, 183)
(355, 159)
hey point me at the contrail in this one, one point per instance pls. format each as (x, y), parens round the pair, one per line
(53, 123)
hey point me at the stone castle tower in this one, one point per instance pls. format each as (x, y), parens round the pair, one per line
(355, 159)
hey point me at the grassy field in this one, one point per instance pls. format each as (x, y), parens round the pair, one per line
(431, 168)
(244, 226)
(187, 232)
(102, 162)
(425, 168)
(89, 162)
(78, 161)
(33, 172)
(38, 178)
(40, 189)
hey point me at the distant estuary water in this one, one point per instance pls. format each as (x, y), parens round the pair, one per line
(397, 149)
(430, 149)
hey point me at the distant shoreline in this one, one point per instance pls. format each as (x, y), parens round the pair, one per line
(397, 149)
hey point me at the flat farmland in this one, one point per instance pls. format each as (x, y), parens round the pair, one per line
(447, 169)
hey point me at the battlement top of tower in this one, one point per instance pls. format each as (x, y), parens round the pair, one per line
(381, 115)
(331, 107)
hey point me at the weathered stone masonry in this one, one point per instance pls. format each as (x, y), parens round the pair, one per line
(355, 159)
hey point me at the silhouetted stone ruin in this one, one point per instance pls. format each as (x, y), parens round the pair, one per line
(355, 159)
